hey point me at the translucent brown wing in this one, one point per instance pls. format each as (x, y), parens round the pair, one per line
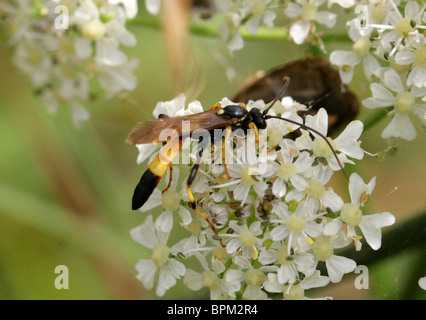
(149, 131)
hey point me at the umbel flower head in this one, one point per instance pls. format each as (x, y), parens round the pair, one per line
(62, 50)
(272, 227)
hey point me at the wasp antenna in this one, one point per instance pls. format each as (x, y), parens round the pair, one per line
(316, 132)
(284, 88)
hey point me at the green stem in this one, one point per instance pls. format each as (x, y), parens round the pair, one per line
(375, 117)
(211, 30)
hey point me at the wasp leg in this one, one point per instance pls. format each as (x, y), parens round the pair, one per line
(227, 136)
(152, 176)
(216, 106)
(170, 178)
(256, 133)
(189, 182)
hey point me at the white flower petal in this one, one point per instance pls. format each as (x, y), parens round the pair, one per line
(382, 94)
(379, 220)
(153, 6)
(400, 127)
(233, 245)
(185, 215)
(166, 280)
(332, 200)
(279, 233)
(177, 268)
(193, 280)
(287, 274)
(164, 222)
(337, 266)
(299, 31)
(146, 272)
(392, 80)
(153, 201)
(404, 57)
(327, 18)
(145, 233)
(333, 227)
(279, 188)
(314, 281)
(372, 234)
(347, 142)
(292, 10)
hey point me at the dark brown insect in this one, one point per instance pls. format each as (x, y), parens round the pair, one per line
(313, 82)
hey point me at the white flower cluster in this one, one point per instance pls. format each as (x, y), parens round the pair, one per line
(62, 45)
(392, 33)
(272, 229)
(388, 38)
(234, 14)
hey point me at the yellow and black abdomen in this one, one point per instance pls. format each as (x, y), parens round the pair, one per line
(144, 189)
(152, 176)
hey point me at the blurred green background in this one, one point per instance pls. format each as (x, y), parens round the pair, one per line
(65, 193)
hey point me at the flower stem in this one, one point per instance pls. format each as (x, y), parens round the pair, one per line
(375, 117)
(211, 30)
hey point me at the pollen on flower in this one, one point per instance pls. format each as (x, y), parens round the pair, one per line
(295, 223)
(322, 249)
(420, 57)
(195, 227)
(294, 292)
(170, 200)
(246, 178)
(258, 9)
(286, 171)
(321, 148)
(403, 27)
(364, 198)
(210, 279)
(220, 253)
(379, 12)
(247, 239)
(160, 254)
(315, 189)
(255, 277)
(351, 214)
(94, 30)
(282, 255)
(309, 12)
(362, 46)
(404, 102)
(275, 136)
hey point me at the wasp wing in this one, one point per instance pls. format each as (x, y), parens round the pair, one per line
(149, 131)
